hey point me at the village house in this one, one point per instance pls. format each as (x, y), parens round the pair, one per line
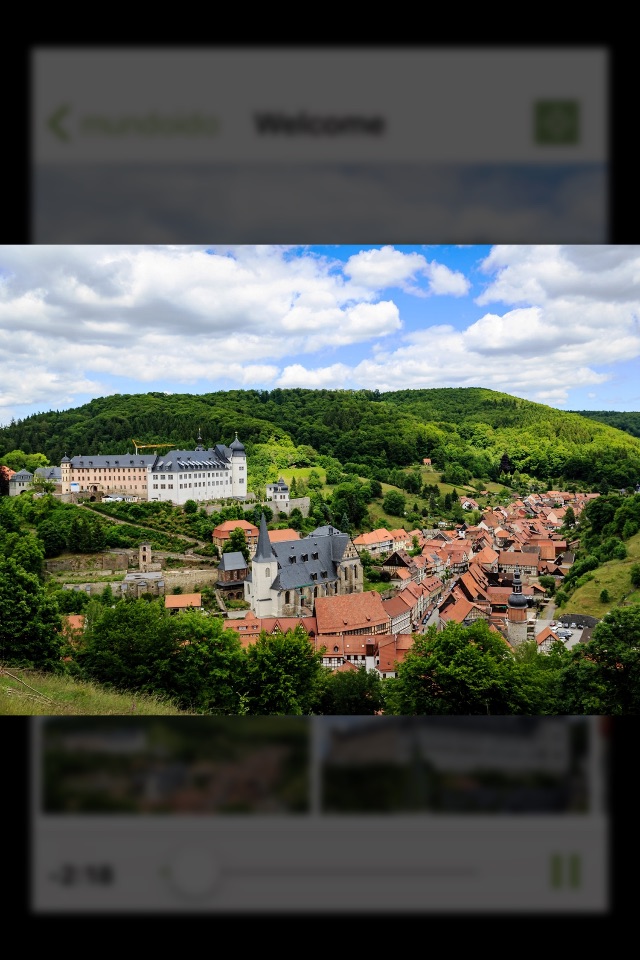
(222, 533)
(526, 562)
(183, 601)
(546, 639)
(232, 572)
(392, 650)
(377, 542)
(356, 614)
(278, 493)
(399, 614)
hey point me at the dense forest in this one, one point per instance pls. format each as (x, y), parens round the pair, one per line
(622, 420)
(464, 431)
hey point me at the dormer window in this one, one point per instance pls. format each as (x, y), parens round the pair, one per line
(314, 556)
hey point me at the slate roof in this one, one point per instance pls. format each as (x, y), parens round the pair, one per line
(49, 473)
(113, 460)
(216, 458)
(232, 560)
(309, 561)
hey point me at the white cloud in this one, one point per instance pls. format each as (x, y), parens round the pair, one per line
(337, 376)
(446, 281)
(388, 267)
(383, 267)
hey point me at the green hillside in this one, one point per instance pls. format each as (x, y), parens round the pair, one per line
(465, 431)
(613, 576)
(31, 693)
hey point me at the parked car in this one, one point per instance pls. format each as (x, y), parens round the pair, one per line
(574, 626)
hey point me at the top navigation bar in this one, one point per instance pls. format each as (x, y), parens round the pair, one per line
(529, 105)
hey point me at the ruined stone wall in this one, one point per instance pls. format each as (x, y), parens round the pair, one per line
(104, 562)
(189, 579)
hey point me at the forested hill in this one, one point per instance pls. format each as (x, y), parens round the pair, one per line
(469, 429)
(628, 421)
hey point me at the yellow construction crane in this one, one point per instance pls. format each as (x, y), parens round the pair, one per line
(150, 446)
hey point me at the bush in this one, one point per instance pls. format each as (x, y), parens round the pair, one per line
(394, 504)
(190, 506)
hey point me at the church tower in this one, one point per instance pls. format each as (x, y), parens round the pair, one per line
(517, 612)
(264, 570)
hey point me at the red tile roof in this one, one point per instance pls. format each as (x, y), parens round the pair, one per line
(277, 536)
(353, 611)
(179, 601)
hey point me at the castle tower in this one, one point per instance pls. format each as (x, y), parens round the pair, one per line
(517, 612)
(238, 468)
(65, 471)
(264, 570)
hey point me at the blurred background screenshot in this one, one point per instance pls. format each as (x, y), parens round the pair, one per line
(313, 814)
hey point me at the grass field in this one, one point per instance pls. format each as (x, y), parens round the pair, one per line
(27, 693)
(614, 576)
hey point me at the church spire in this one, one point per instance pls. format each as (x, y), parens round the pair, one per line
(263, 549)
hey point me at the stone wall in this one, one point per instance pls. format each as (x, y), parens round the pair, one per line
(189, 579)
(302, 503)
(105, 562)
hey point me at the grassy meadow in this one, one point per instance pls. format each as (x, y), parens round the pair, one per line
(27, 693)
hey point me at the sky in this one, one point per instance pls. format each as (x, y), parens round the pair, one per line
(558, 325)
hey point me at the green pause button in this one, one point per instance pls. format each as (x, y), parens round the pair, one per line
(566, 871)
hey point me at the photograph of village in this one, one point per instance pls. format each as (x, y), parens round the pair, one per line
(299, 550)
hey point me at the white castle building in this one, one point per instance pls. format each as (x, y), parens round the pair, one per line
(216, 473)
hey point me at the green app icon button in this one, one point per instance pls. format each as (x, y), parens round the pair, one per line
(556, 121)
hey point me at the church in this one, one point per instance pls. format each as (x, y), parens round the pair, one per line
(286, 578)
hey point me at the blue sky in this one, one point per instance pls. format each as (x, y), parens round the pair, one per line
(555, 324)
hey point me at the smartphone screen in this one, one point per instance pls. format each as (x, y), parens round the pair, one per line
(267, 145)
